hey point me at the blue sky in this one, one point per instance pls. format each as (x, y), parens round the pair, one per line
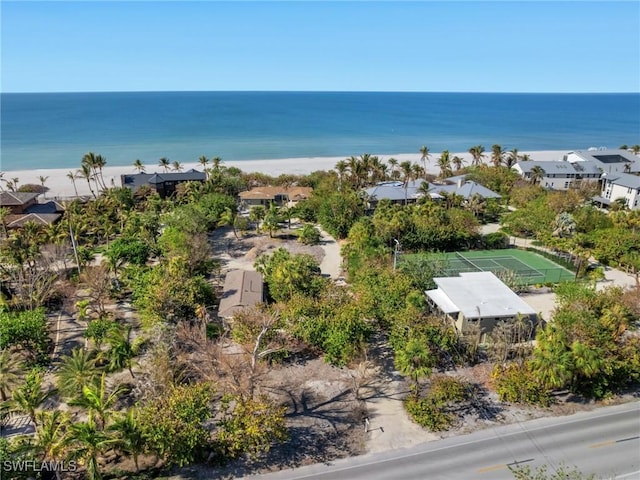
(467, 46)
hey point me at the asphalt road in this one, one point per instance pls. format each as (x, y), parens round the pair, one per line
(605, 442)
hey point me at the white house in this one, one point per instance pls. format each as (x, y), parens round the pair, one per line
(477, 298)
(621, 185)
(560, 175)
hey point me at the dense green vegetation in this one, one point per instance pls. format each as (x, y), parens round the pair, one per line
(150, 378)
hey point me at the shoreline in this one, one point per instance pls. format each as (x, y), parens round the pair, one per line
(60, 186)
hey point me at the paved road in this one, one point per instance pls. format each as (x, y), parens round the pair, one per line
(605, 442)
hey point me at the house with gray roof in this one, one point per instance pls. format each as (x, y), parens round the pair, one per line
(465, 189)
(400, 193)
(620, 186)
(609, 160)
(477, 298)
(560, 175)
(163, 183)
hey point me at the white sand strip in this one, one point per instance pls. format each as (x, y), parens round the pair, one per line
(60, 186)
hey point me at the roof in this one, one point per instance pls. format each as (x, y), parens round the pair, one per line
(242, 288)
(136, 180)
(466, 190)
(15, 221)
(613, 155)
(560, 167)
(624, 180)
(269, 193)
(395, 191)
(47, 207)
(477, 295)
(11, 199)
(610, 160)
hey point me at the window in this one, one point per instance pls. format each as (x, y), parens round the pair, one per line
(566, 184)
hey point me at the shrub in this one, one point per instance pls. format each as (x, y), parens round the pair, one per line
(516, 384)
(309, 235)
(495, 240)
(427, 413)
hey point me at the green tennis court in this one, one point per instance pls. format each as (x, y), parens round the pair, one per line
(529, 267)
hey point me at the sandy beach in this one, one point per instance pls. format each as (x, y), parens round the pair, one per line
(60, 186)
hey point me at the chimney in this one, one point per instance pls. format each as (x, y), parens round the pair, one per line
(460, 182)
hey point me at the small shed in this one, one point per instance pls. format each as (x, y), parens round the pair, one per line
(242, 288)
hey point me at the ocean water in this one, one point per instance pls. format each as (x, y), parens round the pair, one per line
(54, 130)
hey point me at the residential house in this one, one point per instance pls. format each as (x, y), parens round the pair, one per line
(411, 192)
(609, 160)
(18, 202)
(24, 208)
(620, 185)
(477, 298)
(281, 196)
(163, 183)
(560, 175)
(242, 289)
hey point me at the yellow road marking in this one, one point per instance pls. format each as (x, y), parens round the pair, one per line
(603, 444)
(491, 468)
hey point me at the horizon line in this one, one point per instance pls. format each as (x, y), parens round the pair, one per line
(330, 91)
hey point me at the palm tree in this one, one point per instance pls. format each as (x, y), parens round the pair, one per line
(10, 373)
(257, 214)
(635, 149)
(72, 176)
(458, 162)
(204, 161)
(512, 158)
(97, 400)
(122, 350)
(477, 153)
(43, 179)
(418, 171)
(537, 174)
(128, 436)
(99, 163)
(406, 169)
(497, 155)
(31, 395)
(272, 219)
(341, 169)
(94, 163)
(393, 164)
(425, 189)
(85, 172)
(76, 372)
(416, 361)
(424, 156)
(165, 164)
(87, 443)
(228, 217)
(217, 164)
(476, 204)
(50, 433)
(550, 359)
(444, 163)
(177, 166)
(139, 166)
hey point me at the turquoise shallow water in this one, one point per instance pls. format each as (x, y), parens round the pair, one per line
(54, 130)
